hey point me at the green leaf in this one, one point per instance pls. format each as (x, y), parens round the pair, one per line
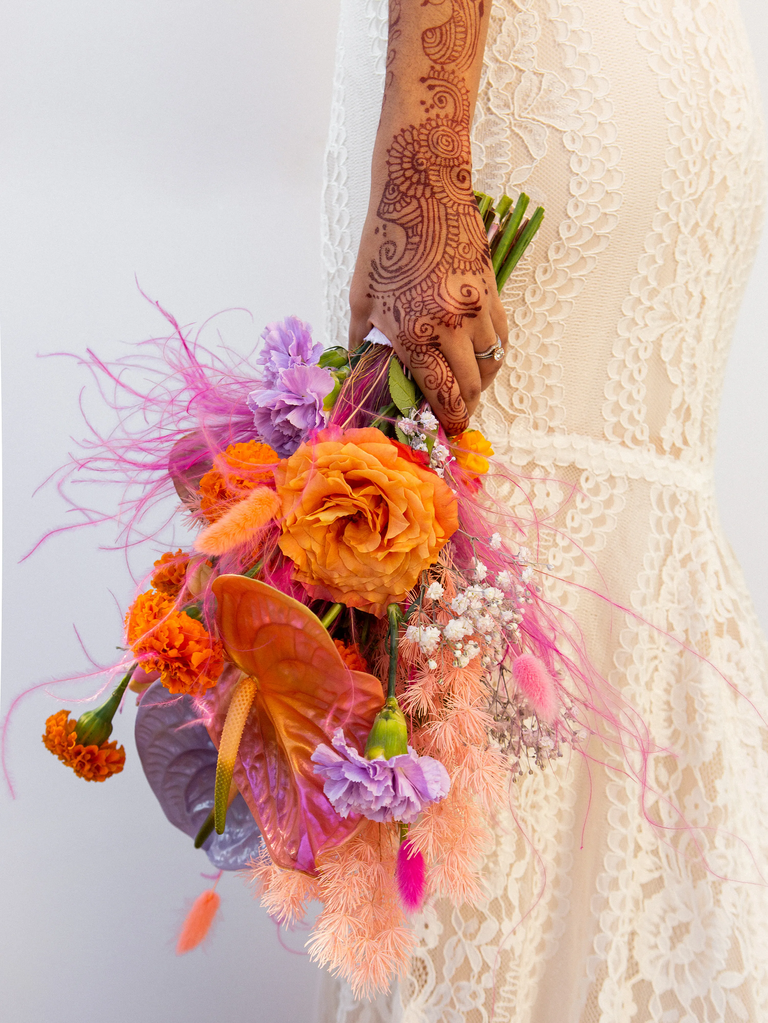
(401, 436)
(334, 358)
(402, 389)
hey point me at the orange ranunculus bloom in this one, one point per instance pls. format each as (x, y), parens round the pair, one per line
(360, 521)
(167, 640)
(234, 474)
(472, 451)
(94, 763)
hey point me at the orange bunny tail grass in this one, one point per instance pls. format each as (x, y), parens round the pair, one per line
(198, 922)
(285, 894)
(240, 524)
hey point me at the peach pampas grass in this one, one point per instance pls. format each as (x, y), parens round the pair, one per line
(198, 921)
(285, 894)
(361, 933)
(240, 523)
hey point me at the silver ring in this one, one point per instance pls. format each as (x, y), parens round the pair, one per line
(495, 352)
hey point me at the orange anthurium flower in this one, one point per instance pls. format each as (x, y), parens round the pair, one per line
(304, 691)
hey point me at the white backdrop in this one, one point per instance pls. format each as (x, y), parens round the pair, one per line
(181, 141)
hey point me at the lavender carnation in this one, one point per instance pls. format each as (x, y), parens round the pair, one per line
(284, 415)
(286, 344)
(288, 401)
(397, 789)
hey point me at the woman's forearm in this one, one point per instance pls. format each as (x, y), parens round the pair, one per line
(430, 43)
(424, 263)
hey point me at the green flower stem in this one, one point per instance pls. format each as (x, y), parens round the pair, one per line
(508, 233)
(384, 415)
(503, 207)
(331, 615)
(521, 244)
(484, 203)
(393, 613)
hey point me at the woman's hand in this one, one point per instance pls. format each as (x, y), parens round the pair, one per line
(423, 274)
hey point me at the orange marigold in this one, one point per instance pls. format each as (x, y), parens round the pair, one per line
(233, 476)
(171, 570)
(167, 640)
(351, 656)
(94, 763)
(472, 451)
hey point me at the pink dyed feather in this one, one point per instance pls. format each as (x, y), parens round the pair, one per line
(411, 876)
(537, 685)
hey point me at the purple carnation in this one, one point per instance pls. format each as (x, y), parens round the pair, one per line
(288, 401)
(286, 344)
(283, 415)
(397, 789)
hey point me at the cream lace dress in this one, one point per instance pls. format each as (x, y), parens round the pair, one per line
(636, 124)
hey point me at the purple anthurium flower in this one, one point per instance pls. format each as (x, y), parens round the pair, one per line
(396, 789)
(179, 761)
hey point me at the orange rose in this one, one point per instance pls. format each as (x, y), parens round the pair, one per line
(360, 521)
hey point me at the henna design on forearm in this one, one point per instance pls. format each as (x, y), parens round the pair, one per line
(394, 33)
(431, 230)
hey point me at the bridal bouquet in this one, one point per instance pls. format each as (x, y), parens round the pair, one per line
(340, 673)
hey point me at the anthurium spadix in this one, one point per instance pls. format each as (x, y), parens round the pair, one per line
(302, 691)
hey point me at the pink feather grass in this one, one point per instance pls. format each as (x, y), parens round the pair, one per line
(165, 390)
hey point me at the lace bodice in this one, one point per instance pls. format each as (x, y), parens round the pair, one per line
(636, 124)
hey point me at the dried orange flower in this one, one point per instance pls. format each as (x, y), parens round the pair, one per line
(167, 640)
(170, 573)
(472, 451)
(361, 519)
(351, 656)
(234, 474)
(94, 763)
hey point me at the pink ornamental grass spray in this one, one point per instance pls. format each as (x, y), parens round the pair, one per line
(537, 685)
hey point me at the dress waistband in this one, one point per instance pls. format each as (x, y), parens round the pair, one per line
(604, 457)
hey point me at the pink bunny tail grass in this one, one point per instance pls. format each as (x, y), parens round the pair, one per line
(411, 876)
(198, 921)
(537, 685)
(240, 524)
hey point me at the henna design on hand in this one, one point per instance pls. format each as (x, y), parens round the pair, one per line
(431, 228)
